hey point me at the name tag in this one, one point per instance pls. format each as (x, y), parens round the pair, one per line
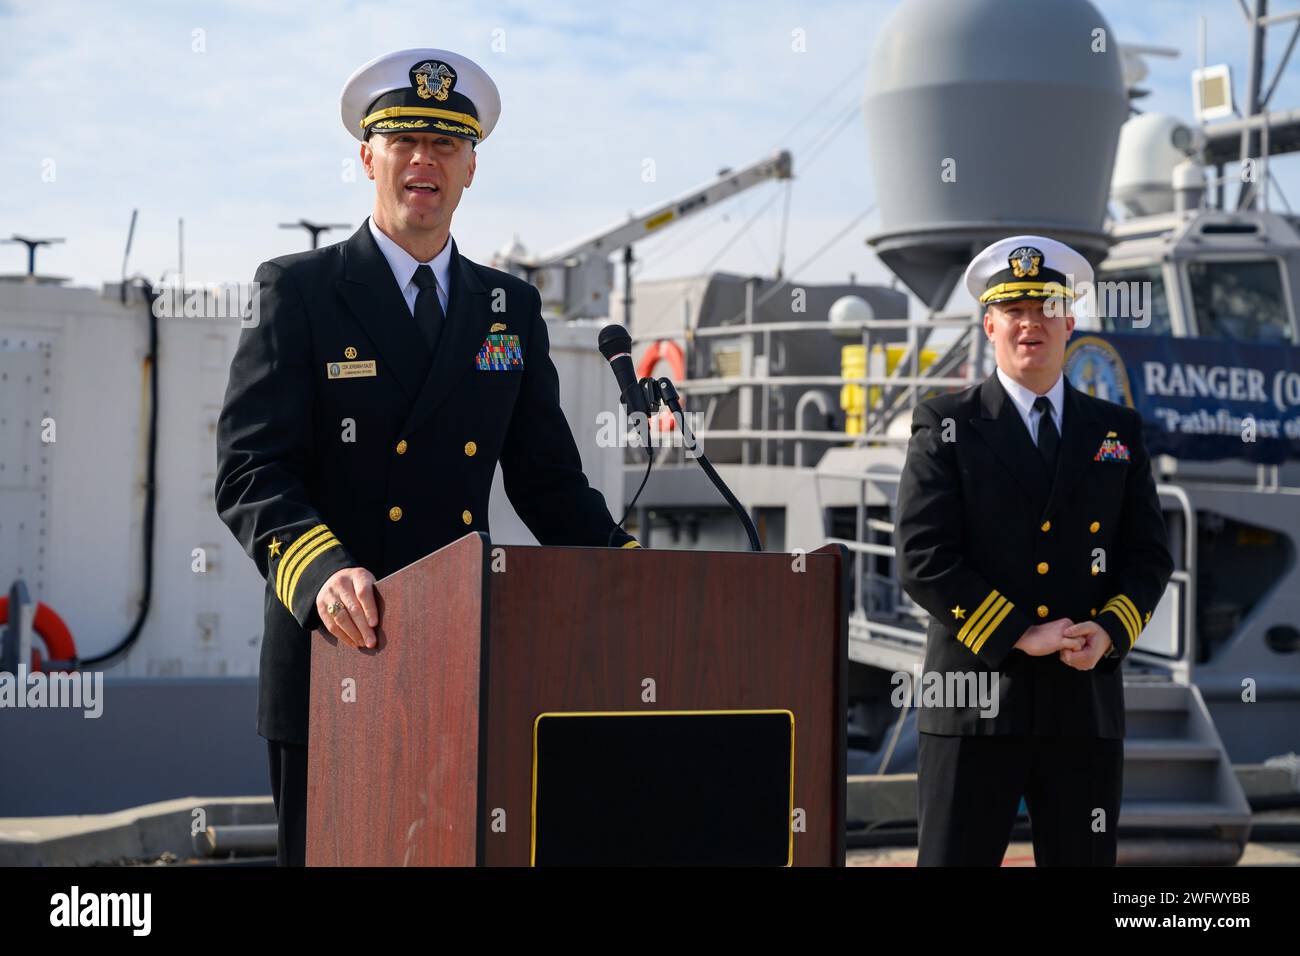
(350, 369)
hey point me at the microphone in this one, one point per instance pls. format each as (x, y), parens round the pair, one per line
(616, 345)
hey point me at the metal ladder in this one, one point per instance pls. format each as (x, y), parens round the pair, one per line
(1182, 802)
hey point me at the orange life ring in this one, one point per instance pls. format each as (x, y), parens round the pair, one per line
(50, 628)
(668, 351)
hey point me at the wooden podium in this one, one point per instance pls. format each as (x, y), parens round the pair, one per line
(423, 750)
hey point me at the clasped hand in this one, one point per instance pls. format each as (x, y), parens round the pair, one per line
(1078, 645)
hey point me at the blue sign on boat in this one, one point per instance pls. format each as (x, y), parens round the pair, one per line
(1199, 398)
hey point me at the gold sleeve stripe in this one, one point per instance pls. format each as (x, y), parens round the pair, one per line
(986, 632)
(1133, 616)
(293, 552)
(1133, 612)
(632, 544)
(986, 610)
(1132, 623)
(308, 558)
(1120, 611)
(1114, 607)
(983, 622)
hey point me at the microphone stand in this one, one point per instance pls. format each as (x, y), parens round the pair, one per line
(662, 392)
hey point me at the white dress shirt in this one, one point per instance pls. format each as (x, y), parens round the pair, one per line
(1023, 399)
(404, 265)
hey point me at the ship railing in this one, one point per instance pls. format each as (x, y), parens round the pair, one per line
(896, 392)
(897, 642)
(1183, 580)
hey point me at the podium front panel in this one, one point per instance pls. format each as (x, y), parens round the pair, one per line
(601, 630)
(663, 788)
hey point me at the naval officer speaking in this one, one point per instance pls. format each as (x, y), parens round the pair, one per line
(367, 410)
(1030, 529)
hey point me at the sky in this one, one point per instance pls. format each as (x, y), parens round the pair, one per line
(226, 115)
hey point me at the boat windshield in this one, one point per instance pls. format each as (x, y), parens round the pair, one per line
(1133, 300)
(1240, 299)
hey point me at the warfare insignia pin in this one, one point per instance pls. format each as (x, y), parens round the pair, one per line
(1025, 262)
(498, 327)
(500, 353)
(433, 80)
(1112, 435)
(350, 352)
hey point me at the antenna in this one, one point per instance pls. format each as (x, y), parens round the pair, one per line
(1257, 117)
(126, 253)
(315, 228)
(31, 245)
(1254, 87)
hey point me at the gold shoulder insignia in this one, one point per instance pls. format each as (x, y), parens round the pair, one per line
(274, 547)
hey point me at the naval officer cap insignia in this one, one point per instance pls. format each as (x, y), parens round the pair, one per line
(1027, 267)
(421, 91)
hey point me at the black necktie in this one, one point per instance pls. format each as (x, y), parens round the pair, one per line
(1049, 439)
(428, 310)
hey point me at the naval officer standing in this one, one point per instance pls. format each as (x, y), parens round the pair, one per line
(368, 407)
(1030, 529)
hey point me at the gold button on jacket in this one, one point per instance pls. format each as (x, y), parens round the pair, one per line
(401, 447)
(394, 513)
(470, 448)
(1095, 527)
(1042, 567)
(1042, 610)
(466, 517)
